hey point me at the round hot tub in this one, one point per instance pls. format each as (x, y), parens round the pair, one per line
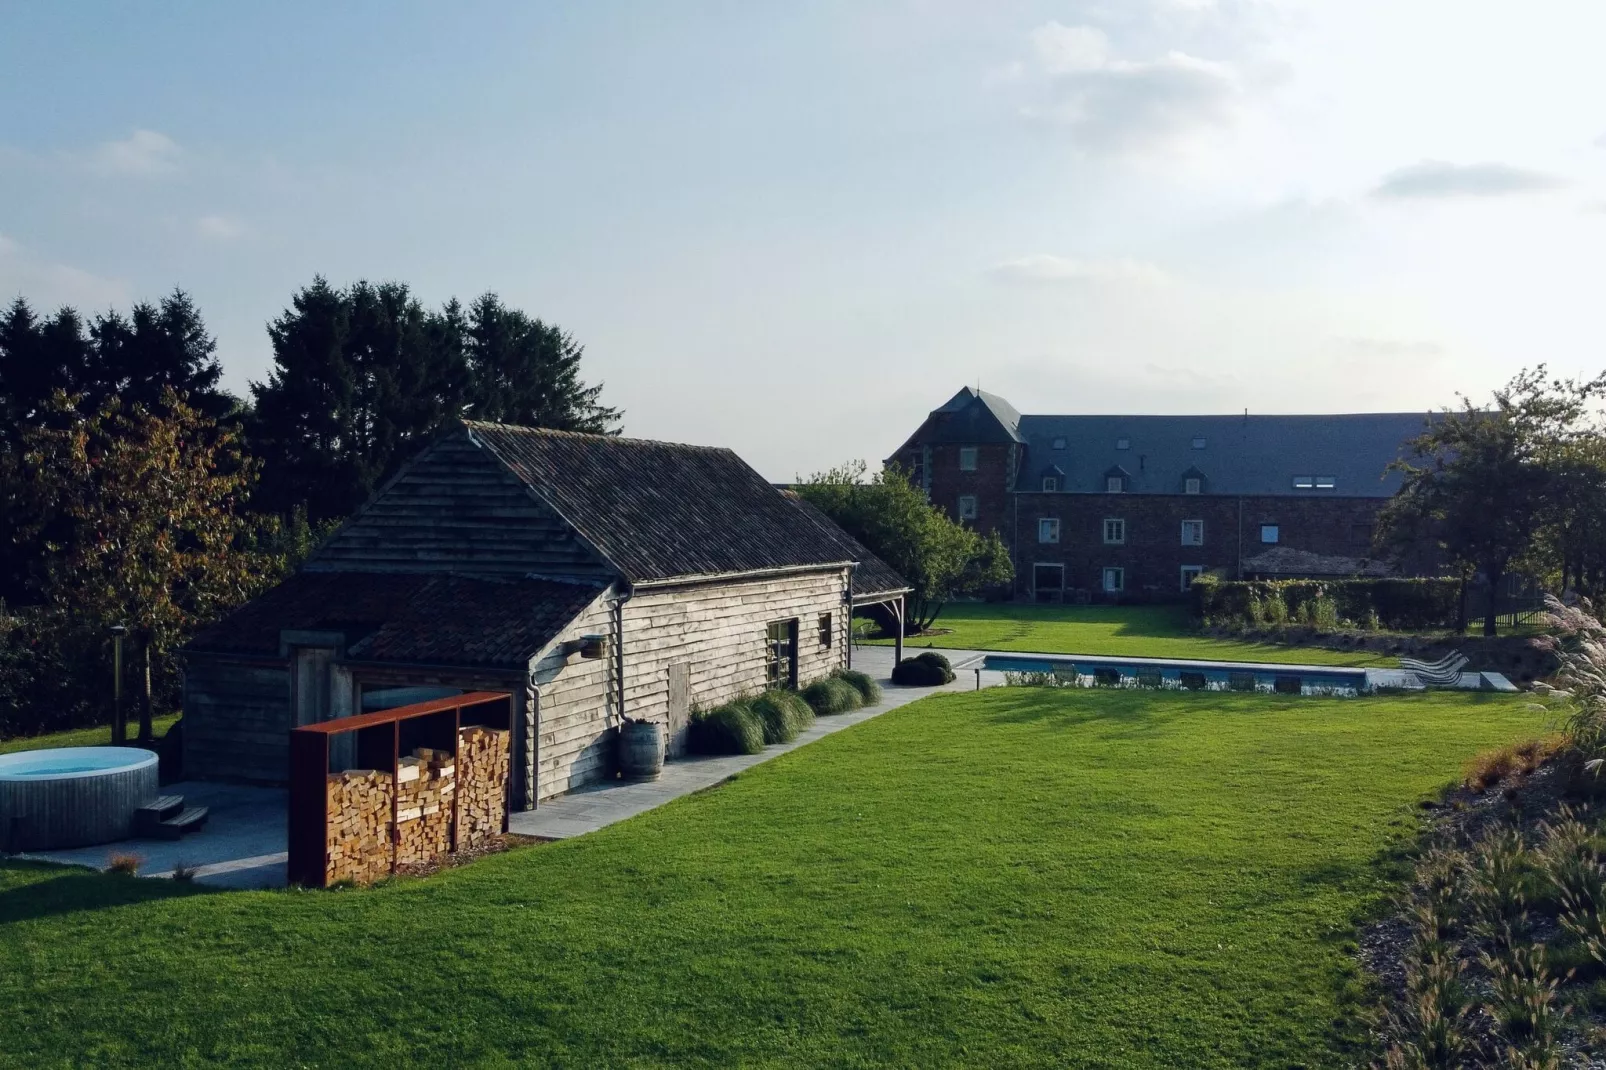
(72, 796)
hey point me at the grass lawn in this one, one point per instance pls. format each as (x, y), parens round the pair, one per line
(1010, 877)
(84, 737)
(1130, 631)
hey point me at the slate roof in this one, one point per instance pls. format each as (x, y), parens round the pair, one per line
(435, 619)
(662, 511)
(971, 417)
(1250, 454)
(874, 578)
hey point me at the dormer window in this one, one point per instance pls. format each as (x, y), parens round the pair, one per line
(1114, 484)
(1191, 485)
(1326, 482)
(1123, 443)
(1051, 484)
(1198, 443)
(1059, 443)
(1304, 482)
(967, 458)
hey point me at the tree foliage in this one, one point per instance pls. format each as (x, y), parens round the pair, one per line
(1484, 483)
(363, 375)
(941, 558)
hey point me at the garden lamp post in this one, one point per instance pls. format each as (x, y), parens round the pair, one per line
(119, 736)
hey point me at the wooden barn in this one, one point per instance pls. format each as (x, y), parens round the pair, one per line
(593, 577)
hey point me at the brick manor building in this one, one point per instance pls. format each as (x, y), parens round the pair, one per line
(1124, 508)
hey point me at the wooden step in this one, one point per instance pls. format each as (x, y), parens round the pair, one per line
(148, 818)
(188, 820)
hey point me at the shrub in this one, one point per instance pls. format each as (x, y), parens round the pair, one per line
(123, 865)
(1398, 604)
(729, 729)
(919, 672)
(931, 657)
(782, 714)
(183, 871)
(831, 695)
(1514, 759)
(868, 689)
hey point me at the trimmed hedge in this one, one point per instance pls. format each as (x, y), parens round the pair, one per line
(832, 695)
(868, 689)
(927, 670)
(1406, 605)
(729, 729)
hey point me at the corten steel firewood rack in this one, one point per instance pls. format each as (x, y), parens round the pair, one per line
(382, 738)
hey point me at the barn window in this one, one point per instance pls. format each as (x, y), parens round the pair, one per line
(1326, 482)
(1189, 574)
(1114, 580)
(1050, 484)
(1048, 529)
(1304, 482)
(1269, 533)
(1114, 484)
(1123, 443)
(967, 507)
(1198, 443)
(780, 659)
(1059, 443)
(825, 629)
(1193, 533)
(967, 458)
(1114, 531)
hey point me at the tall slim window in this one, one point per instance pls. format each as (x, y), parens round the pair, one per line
(825, 629)
(967, 458)
(1114, 531)
(967, 507)
(1193, 533)
(780, 659)
(1048, 529)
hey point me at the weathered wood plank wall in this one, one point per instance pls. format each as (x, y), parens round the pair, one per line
(237, 718)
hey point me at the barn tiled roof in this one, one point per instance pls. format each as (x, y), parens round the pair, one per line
(874, 577)
(438, 619)
(660, 510)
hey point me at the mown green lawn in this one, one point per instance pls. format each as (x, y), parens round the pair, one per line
(83, 737)
(1128, 631)
(1007, 878)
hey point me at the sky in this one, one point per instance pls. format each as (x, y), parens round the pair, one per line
(793, 229)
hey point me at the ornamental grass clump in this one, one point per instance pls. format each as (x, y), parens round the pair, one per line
(1524, 1007)
(869, 691)
(782, 714)
(729, 729)
(831, 695)
(1571, 858)
(1497, 888)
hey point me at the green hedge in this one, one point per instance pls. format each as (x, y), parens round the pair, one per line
(1407, 605)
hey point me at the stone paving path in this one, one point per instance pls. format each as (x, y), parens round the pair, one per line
(599, 805)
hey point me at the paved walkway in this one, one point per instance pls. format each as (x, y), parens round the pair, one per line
(594, 807)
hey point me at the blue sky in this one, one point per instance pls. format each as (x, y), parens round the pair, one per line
(794, 228)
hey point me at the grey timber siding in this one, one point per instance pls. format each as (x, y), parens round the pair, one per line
(237, 719)
(576, 719)
(457, 508)
(718, 631)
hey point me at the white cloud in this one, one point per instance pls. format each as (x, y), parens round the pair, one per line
(1118, 105)
(144, 152)
(1391, 348)
(1437, 178)
(219, 227)
(1046, 269)
(48, 285)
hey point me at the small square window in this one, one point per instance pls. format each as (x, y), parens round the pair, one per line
(1048, 529)
(1114, 531)
(1123, 443)
(1050, 484)
(1304, 482)
(1193, 533)
(967, 507)
(1114, 484)
(1191, 485)
(1189, 574)
(1059, 443)
(1114, 579)
(1269, 533)
(967, 458)
(1198, 443)
(825, 629)
(1326, 482)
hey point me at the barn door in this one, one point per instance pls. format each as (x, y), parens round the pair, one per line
(312, 679)
(679, 704)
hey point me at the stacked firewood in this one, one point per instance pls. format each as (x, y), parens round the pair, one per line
(482, 755)
(425, 784)
(359, 826)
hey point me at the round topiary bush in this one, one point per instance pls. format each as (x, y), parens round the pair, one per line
(831, 695)
(869, 691)
(777, 716)
(729, 729)
(931, 657)
(922, 672)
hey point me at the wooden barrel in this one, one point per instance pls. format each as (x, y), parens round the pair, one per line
(641, 750)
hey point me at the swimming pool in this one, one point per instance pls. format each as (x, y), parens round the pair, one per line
(72, 796)
(1184, 674)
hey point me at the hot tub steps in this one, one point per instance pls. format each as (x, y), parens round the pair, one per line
(167, 818)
